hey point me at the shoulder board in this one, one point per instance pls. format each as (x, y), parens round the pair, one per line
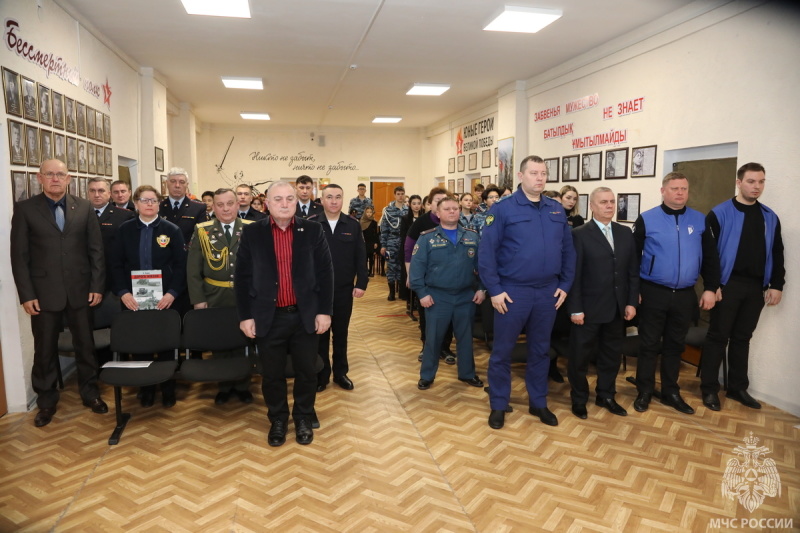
(204, 224)
(246, 221)
(427, 231)
(469, 229)
(313, 217)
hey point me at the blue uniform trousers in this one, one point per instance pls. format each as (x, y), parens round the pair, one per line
(533, 309)
(458, 310)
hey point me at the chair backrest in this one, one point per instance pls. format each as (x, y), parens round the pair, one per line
(146, 331)
(105, 312)
(213, 329)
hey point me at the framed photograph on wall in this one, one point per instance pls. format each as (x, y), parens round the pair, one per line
(616, 164)
(70, 119)
(46, 144)
(628, 207)
(484, 182)
(90, 153)
(569, 168)
(164, 190)
(486, 158)
(60, 151)
(29, 103)
(583, 206)
(34, 187)
(98, 126)
(460, 184)
(643, 162)
(19, 185)
(473, 160)
(159, 159)
(101, 160)
(82, 187)
(32, 145)
(16, 142)
(72, 154)
(590, 166)
(90, 122)
(58, 110)
(495, 156)
(45, 105)
(505, 163)
(451, 185)
(552, 165)
(109, 161)
(106, 129)
(83, 159)
(13, 92)
(81, 112)
(451, 165)
(73, 186)
(461, 163)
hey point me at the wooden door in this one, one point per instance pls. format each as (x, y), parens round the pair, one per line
(382, 193)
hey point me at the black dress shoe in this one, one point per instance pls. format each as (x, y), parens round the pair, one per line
(419, 357)
(168, 398)
(147, 396)
(97, 406)
(612, 405)
(711, 401)
(302, 432)
(545, 415)
(321, 387)
(277, 433)
(245, 396)
(579, 410)
(642, 401)
(554, 374)
(676, 402)
(344, 382)
(44, 416)
(497, 418)
(743, 397)
(222, 397)
(314, 420)
(475, 382)
(424, 384)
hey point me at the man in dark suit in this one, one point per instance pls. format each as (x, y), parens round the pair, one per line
(244, 196)
(109, 216)
(604, 294)
(121, 194)
(349, 255)
(284, 295)
(305, 193)
(58, 267)
(178, 208)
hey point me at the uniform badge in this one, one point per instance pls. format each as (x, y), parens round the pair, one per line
(471, 252)
(414, 251)
(489, 220)
(162, 241)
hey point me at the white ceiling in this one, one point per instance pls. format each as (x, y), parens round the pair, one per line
(303, 49)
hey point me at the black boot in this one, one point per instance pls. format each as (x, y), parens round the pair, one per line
(391, 291)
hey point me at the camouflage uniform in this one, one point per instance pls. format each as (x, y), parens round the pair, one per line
(392, 240)
(360, 205)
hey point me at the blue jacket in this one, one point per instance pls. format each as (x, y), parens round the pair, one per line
(673, 253)
(730, 222)
(438, 264)
(526, 246)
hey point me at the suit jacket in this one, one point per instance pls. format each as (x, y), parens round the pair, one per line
(256, 274)
(170, 258)
(252, 214)
(130, 206)
(110, 221)
(348, 251)
(606, 280)
(52, 266)
(190, 213)
(313, 209)
(219, 267)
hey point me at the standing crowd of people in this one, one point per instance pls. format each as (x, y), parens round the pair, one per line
(293, 266)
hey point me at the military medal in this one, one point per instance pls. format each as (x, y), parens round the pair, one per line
(162, 241)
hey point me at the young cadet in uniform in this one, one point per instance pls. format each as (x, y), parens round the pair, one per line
(360, 202)
(391, 240)
(443, 274)
(209, 273)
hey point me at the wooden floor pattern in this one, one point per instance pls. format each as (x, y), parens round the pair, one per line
(389, 458)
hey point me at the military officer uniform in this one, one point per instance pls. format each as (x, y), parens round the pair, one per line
(446, 272)
(188, 214)
(209, 272)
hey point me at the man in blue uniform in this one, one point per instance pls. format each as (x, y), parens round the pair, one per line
(527, 263)
(748, 237)
(443, 274)
(392, 241)
(360, 202)
(675, 249)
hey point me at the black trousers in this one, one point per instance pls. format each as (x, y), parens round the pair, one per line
(609, 337)
(340, 324)
(46, 326)
(733, 321)
(288, 336)
(664, 313)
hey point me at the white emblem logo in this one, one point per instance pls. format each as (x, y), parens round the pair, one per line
(691, 230)
(752, 479)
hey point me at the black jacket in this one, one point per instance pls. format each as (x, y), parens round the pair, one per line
(110, 221)
(348, 253)
(190, 213)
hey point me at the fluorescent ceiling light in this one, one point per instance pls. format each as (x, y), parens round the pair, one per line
(243, 83)
(386, 120)
(428, 89)
(218, 8)
(254, 116)
(523, 19)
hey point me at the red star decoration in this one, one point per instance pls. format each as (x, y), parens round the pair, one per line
(107, 94)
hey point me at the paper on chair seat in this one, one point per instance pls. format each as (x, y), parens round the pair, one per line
(127, 364)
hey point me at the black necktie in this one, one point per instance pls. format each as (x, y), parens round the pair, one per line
(98, 212)
(176, 206)
(228, 232)
(305, 210)
(241, 214)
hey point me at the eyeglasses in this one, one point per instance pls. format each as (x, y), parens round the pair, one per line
(148, 201)
(52, 175)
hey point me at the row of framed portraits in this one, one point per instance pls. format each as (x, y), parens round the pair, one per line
(460, 162)
(628, 206)
(590, 167)
(26, 185)
(457, 186)
(30, 145)
(25, 98)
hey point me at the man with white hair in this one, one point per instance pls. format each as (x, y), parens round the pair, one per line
(178, 208)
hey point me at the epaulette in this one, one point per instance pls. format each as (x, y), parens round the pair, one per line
(207, 223)
(427, 231)
(247, 221)
(469, 229)
(312, 217)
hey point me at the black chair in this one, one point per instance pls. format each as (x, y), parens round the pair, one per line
(214, 329)
(140, 332)
(103, 316)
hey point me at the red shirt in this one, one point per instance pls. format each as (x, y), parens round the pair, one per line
(283, 257)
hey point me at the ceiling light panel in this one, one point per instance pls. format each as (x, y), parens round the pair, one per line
(519, 19)
(428, 89)
(243, 83)
(386, 120)
(254, 116)
(218, 8)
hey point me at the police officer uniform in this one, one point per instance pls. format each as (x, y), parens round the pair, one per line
(447, 272)
(188, 214)
(392, 240)
(209, 272)
(360, 205)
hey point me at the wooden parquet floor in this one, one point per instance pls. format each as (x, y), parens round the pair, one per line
(389, 458)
